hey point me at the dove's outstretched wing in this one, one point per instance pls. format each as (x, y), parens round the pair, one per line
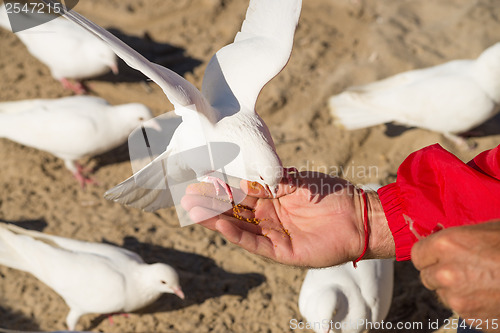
(147, 189)
(178, 90)
(237, 73)
(233, 81)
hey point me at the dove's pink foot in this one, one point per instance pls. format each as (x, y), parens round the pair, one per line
(77, 87)
(110, 317)
(81, 176)
(217, 182)
(84, 180)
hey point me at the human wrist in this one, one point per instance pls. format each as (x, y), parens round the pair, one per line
(381, 243)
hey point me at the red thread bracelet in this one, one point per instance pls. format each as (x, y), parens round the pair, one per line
(367, 228)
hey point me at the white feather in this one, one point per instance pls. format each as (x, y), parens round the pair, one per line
(450, 98)
(345, 298)
(90, 277)
(71, 127)
(68, 50)
(232, 82)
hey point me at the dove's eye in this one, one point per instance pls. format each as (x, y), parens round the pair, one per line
(141, 118)
(163, 282)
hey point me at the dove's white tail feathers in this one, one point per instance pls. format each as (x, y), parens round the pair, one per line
(19, 106)
(11, 248)
(8, 108)
(8, 255)
(349, 111)
(74, 245)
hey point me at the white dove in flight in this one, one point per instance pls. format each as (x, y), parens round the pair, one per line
(450, 98)
(225, 109)
(90, 277)
(69, 51)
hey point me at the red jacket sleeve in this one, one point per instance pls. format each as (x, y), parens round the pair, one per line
(435, 190)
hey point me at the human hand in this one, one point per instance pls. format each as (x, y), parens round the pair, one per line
(317, 221)
(462, 264)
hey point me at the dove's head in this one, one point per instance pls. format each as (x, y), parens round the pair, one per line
(268, 170)
(263, 164)
(130, 116)
(487, 71)
(102, 54)
(324, 307)
(164, 278)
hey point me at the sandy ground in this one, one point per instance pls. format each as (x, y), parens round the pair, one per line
(338, 43)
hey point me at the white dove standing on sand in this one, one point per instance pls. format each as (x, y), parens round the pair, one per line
(71, 127)
(225, 109)
(342, 299)
(450, 98)
(68, 50)
(90, 277)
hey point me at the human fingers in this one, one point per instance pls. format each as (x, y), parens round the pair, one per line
(208, 190)
(203, 189)
(240, 223)
(424, 253)
(250, 241)
(440, 276)
(219, 206)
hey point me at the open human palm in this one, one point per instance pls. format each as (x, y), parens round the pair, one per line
(316, 220)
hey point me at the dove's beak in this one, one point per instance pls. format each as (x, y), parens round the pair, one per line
(152, 123)
(114, 68)
(273, 190)
(178, 292)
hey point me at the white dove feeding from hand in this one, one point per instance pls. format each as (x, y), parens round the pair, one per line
(90, 277)
(224, 112)
(69, 51)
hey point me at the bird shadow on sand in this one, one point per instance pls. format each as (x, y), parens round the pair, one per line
(200, 277)
(15, 320)
(412, 304)
(164, 54)
(38, 224)
(488, 128)
(393, 130)
(117, 155)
